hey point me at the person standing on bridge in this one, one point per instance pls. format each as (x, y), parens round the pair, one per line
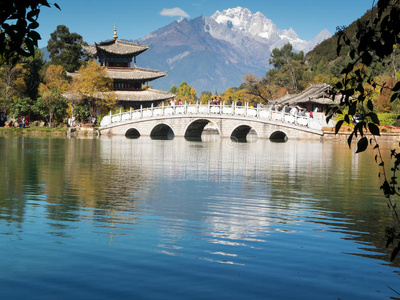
(172, 102)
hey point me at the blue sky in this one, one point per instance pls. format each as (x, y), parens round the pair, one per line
(94, 19)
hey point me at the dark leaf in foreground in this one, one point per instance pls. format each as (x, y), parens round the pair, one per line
(362, 144)
(394, 253)
(373, 129)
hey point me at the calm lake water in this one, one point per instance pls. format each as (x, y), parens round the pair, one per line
(148, 219)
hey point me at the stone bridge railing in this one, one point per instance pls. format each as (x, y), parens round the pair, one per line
(265, 113)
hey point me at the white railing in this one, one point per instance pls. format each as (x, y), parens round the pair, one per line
(262, 113)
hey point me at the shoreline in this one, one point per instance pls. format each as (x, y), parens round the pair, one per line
(328, 135)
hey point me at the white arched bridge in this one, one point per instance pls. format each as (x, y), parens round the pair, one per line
(231, 121)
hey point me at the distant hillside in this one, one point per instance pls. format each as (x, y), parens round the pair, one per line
(326, 50)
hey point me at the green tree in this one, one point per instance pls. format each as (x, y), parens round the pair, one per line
(12, 84)
(205, 96)
(21, 107)
(55, 114)
(184, 89)
(51, 92)
(285, 55)
(65, 49)
(82, 112)
(185, 92)
(174, 90)
(33, 75)
(289, 68)
(18, 24)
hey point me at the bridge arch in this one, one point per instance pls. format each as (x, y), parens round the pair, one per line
(132, 133)
(195, 129)
(162, 131)
(240, 133)
(278, 136)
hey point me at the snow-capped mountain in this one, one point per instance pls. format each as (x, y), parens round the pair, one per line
(213, 53)
(233, 23)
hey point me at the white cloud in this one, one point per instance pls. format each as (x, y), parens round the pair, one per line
(174, 12)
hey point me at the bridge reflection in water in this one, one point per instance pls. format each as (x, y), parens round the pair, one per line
(236, 122)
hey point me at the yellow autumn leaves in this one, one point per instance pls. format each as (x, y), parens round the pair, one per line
(90, 85)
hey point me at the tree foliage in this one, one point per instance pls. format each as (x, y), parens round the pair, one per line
(93, 86)
(184, 92)
(256, 90)
(21, 107)
(12, 84)
(51, 92)
(33, 75)
(65, 49)
(289, 68)
(289, 74)
(18, 24)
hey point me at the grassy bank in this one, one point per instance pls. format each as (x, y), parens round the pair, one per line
(34, 130)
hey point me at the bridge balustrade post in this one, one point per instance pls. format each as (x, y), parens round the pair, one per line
(185, 108)
(152, 109)
(120, 114)
(141, 111)
(130, 113)
(162, 108)
(233, 108)
(258, 110)
(220, 107)
(197, 107)
(209, 107)
(283, 116)
(270, 112)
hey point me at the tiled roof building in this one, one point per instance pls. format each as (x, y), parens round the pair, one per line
(316, 96)
(116, 56)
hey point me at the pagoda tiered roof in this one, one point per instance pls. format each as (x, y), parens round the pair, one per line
(135, 74)
(116, 46)
(143, 95)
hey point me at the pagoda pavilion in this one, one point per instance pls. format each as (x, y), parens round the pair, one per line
(129, 83)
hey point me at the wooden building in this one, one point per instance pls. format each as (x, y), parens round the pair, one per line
(129, 82)
(316, 97)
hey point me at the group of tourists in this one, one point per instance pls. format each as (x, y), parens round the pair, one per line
(215, 101)
(294, 111)
(72, 122)
(22, 121)
(173, 102)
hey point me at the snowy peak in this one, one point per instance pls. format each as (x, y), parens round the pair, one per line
(234, 22)
(323, 35)
(241, 19)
